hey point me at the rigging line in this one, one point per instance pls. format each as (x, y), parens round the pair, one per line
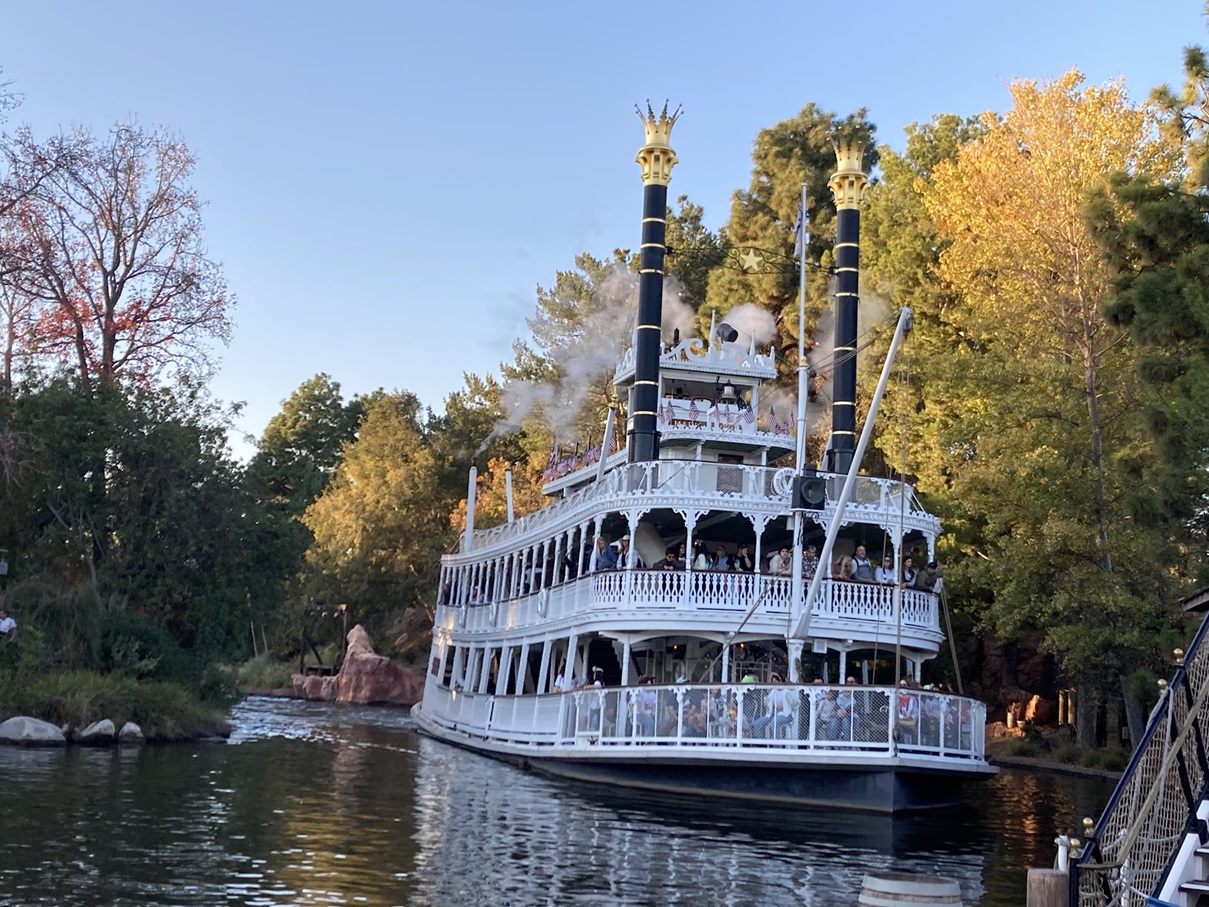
(902, 518)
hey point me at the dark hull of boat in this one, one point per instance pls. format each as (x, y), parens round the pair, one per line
(889, 790)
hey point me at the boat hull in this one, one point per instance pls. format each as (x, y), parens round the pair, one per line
(891, 785)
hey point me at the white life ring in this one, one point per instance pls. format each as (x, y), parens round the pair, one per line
(782, 480)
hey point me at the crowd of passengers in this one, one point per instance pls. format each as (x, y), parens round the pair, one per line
(856, 568)
(842, 713)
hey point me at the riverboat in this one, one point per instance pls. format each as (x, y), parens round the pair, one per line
(591, 640)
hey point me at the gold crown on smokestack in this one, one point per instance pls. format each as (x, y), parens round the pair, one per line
(657, 157)
(849, 181)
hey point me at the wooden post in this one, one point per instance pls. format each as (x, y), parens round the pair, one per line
(1047, 888)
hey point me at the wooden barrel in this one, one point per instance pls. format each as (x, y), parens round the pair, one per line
(907, 889)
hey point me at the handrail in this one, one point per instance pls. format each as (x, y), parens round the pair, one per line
(1148, 808)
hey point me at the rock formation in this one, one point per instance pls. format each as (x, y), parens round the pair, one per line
(31, 732)
(365, 677)
(99, 733)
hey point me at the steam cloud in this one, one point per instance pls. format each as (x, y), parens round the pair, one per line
(586, 364)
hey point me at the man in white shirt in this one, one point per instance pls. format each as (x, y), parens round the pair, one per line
(7, 624)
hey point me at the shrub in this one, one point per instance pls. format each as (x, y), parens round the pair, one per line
(1022, 746)
(262, 673)
(1066, 753)
(1090, 758)
(1113, 760)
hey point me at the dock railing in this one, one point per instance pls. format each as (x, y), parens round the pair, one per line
(1138, 836)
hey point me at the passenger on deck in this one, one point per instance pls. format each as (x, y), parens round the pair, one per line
(645, 701)
(605, 558)
(701, 558)
(721, 560)
(885, 573)
(624, 555)
(931, 579)
(842, 569)
(862, 568)
(560, 682)
(780, 711)
(670, 561)
(781, 563)
(910, 574)
(742, 562)
(810, 561)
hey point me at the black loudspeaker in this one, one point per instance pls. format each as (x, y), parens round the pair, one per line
(809, 491)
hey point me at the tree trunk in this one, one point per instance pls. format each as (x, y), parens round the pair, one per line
(1085, 717)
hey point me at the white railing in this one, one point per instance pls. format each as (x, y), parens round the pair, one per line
(883, 721)
(729, 486)
(839, 603)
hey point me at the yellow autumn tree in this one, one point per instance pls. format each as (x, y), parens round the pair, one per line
(1047, 427)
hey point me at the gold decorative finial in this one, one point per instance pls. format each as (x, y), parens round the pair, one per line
(1162, 687)
(657, 157)
(849, 181)
(1089, 827)
(1179, 657)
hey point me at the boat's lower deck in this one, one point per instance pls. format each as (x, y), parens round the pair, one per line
(859, 747)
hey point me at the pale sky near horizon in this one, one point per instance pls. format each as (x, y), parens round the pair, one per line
(388, 183)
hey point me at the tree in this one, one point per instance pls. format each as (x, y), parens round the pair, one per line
(1049, 417)
(795, 151)
(112, 244)
(1155, 237)
(302, 444)
(382, 524)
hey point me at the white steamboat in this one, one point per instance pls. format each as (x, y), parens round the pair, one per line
(677, 674)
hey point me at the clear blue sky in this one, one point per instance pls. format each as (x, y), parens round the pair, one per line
(388, 182)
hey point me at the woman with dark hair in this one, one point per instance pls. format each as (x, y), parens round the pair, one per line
(701, 557)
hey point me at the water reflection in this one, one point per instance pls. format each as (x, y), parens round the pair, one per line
(315, 804)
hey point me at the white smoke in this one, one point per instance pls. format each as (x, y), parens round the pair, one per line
(752, 320)
(584, 367)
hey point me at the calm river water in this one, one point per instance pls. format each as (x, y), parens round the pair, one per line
(318, 804)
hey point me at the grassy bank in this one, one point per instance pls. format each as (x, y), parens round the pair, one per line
(74, 699)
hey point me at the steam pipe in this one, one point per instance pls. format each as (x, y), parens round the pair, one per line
(848, 184)
(657, 159)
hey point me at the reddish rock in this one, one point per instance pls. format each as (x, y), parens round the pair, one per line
(366, 677)
(315, 687)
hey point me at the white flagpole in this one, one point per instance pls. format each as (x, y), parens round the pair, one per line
(796, 589)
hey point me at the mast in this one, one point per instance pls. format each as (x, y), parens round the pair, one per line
(657, 159)
(848, 184)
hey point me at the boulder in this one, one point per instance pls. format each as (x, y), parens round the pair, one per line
(130, 733)
(1041, 711)
(99, 733)
(31, 732)
(366, 677)
(315, 687)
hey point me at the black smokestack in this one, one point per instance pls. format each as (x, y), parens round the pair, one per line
(848, 185)
(657, 160)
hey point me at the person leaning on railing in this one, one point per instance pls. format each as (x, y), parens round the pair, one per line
(931, 579)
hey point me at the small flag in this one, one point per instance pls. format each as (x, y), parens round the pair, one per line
(748, 416)
(671, 413)
(659, 414)
(799, 227)
(773, 422)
